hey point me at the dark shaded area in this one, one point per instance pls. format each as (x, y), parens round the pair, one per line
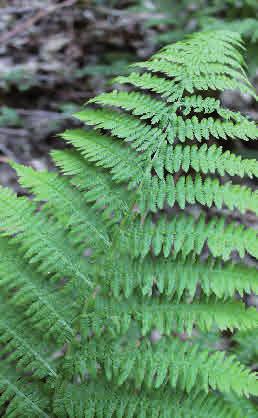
(50, 68)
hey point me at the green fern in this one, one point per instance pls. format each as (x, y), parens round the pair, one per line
(246, 347)
(120, 243)
(171, 20)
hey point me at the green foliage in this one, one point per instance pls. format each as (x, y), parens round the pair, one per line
(23, 398)
(111, 64)
(117, 245)
(20, 77)
(246, 347)
(9, 117)
(181, 18)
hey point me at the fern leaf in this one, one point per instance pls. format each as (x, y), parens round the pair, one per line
(171, 69)
(24, 348)
(106, 153)
(146, 107)
(140, 104)
(202, 159)
(65, 203)
(144, 137)
(158, 193)
(174, 278)
(171, 92)
(166, 316)
(141, 135)
(98, 400)
(247, 346)
(42, 305)
(155, 84)
(245, 406)
(77, 330)
(42, 241)
(24, 398)
(223, 48)
(208, 105)
(184, 235)
(97, 188)
(178, 364)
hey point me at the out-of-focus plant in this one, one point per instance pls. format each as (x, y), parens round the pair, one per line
(9, 117)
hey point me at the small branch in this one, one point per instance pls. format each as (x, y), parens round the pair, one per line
(15, 10)
(41, 114)
(11, 131)
(124, 13)
(7, 154)
(23, 26)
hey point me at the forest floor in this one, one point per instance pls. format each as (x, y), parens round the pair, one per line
(52, 59)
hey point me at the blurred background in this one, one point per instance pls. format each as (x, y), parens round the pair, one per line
(55, 55)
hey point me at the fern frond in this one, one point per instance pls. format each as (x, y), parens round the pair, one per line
(157, 112)
(208, 105)
(174, 278)
(171, 92)
(106, 153)
(157, 193)
(147, 107)
(245, 406)
(223, 48)
(203, 159)
(42, 305)
(151, 82)
(92, 266)
(184, 234)
(65, 203)
(247, 346)
(24, 347)
(97, 188)
(98, 400)
(42, 241)
(162, 64)
(145, 137)
(165, 316)
(196, 64)
(123, 168)
(25, 399)
(247, 27)
(177, 364)
(139, 104)
(141, 135)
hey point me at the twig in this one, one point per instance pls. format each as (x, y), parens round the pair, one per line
(43, 114)
(15, 10)
(133, 14)
(23, 26)
(7, 154)
(11, 131)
